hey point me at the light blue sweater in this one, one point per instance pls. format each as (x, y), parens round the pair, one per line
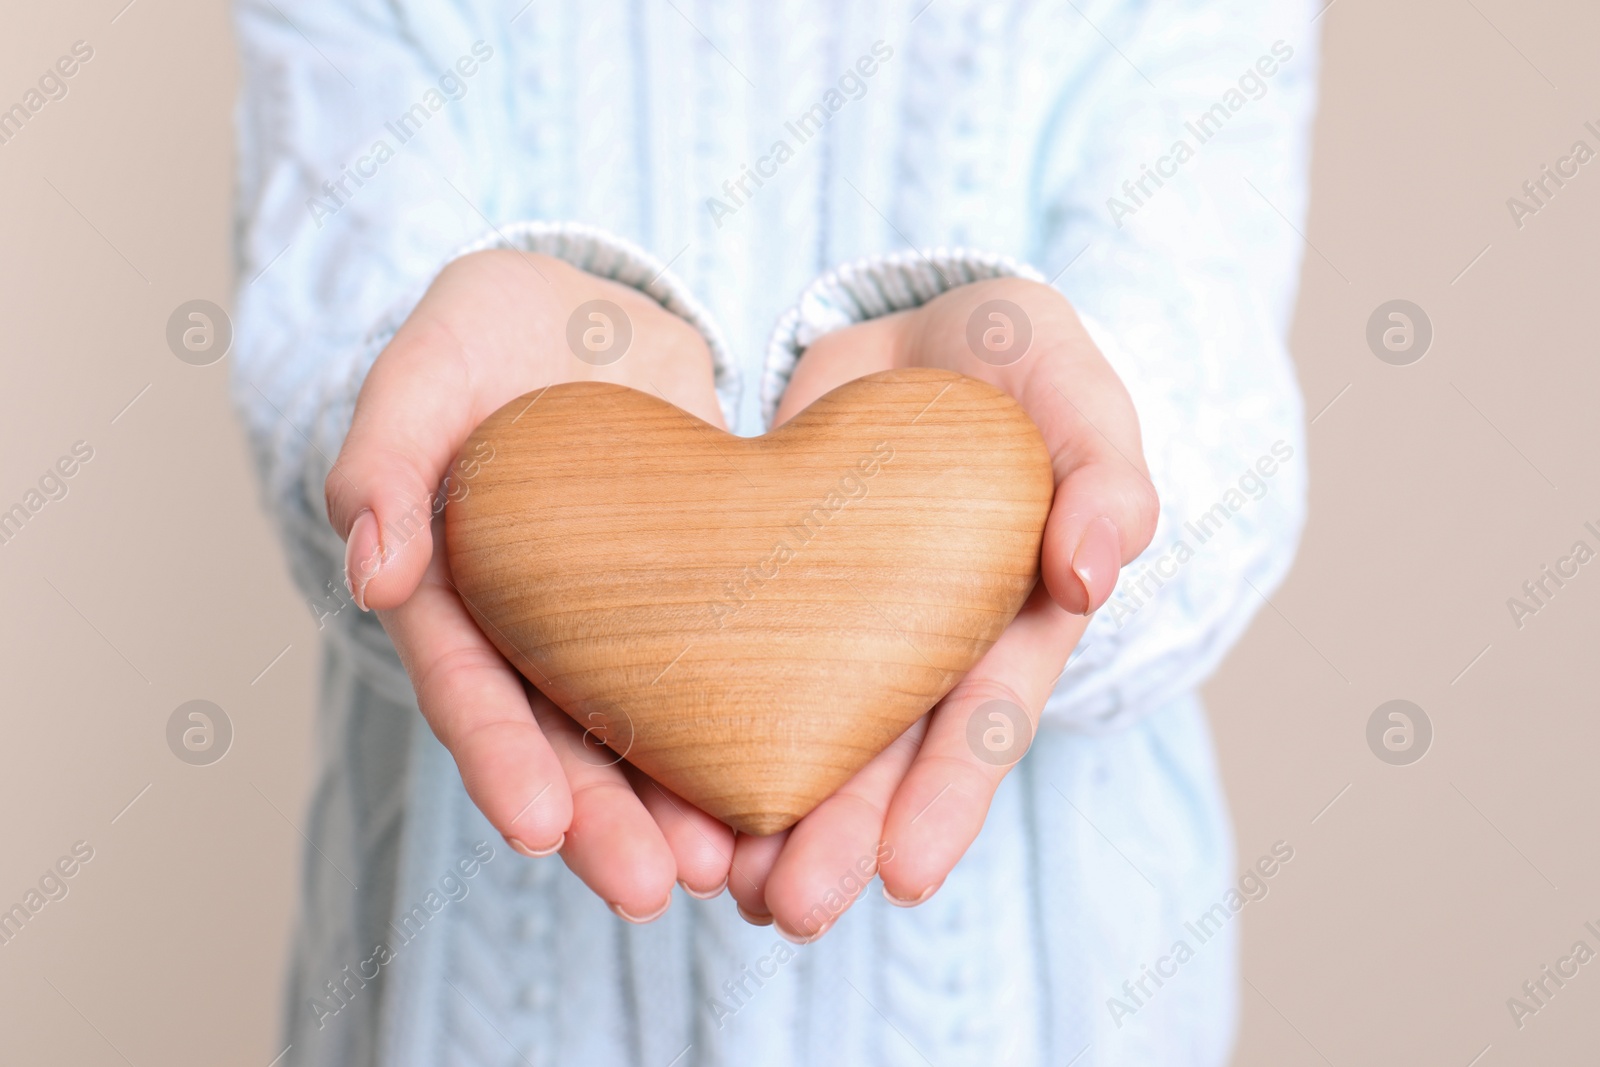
(768, 169)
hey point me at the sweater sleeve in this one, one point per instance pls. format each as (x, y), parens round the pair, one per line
(1172, 199)
(1184, 277)
(349, 202)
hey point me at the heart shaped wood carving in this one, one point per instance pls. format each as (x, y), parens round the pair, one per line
(750, 620)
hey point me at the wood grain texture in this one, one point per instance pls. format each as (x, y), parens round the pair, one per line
(750, 620)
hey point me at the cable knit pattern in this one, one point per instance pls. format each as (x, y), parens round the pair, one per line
(641, 140)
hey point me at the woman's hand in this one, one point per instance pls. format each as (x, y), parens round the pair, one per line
(493, 326)
(920, 804)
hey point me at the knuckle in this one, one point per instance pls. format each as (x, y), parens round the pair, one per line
(330, 497)
(1146, 506)
(453, 677)
(975, 691)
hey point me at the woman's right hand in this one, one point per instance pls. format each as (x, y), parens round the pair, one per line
(492, 327)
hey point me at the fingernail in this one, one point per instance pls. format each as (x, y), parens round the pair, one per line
(536, 853)
(713, 894)
(640, 920)
(752, 918)
(796, 939)
(897, 902)
(362, 555)
(1097, 561)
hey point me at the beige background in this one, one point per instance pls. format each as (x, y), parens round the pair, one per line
(1418, 900)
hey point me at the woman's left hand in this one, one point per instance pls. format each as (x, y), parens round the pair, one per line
(919, 805)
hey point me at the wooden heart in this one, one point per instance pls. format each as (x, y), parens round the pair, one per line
(750, 620)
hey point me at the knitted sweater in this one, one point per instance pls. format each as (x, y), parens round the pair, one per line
(772, 170)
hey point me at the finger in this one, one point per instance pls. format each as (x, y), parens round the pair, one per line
(942, 802)
(753, 858)
(833, 853)
(702, 846)
(1105, 507)
(613, 844)
(477, 706)
(417, 405)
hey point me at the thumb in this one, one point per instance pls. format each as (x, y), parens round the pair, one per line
(1104, 515)
(1105, 508)
(387, 485)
